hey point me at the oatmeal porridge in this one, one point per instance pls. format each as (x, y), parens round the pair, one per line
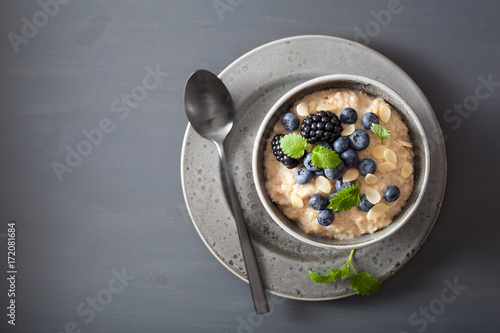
(356, 147)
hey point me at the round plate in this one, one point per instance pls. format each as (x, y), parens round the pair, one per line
(256, 81)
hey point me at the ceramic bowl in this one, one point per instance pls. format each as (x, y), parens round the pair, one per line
(374, 89)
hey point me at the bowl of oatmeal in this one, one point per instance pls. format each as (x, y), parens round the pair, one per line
(341, 162)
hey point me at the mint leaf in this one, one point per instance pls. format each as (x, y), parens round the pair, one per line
(325, 158)
(345, 199)
(293, 145)
(381, 131)
(364, 283)
(318, 278)
(346, 272)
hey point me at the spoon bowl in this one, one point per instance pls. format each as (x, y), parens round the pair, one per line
(209, 106)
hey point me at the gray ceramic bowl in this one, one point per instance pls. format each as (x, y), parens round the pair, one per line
(372, 88)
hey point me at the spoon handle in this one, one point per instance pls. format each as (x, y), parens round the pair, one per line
(252, 268)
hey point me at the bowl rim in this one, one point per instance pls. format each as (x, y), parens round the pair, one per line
(262, 192)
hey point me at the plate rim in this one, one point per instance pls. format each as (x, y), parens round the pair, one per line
(439, 136)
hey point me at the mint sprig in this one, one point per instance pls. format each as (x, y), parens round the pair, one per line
(345, 199)
(381, 131)
(325, 158)
(362, 283)
(293, 145)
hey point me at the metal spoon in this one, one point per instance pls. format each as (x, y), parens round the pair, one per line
(210, 110)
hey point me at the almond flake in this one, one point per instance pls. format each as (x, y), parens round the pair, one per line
(371, 179)
(348, 130)
(406, 170)
(384, 113)
(390, 156)
(405, 144)
(326, 107)
(386, 167)
(297, 201)
(372, 195)
(377, 211)
(378, 151)
(302, 109)
(350, 175)
(323, 184)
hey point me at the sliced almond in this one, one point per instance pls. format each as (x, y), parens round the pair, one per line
(326, 107)
(405, 144)
(386, 167)
(348, 130)
(350, 175)
(390, 156)
(378, 151)
(302, 109)
(377, 211)
(384, 113)
(323, 184)
(372, 195)
(297, 201)
(406, 169)
(371, 179)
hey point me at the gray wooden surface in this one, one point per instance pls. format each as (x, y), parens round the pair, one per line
(103, 239)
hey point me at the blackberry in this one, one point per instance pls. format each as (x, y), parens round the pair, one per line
(288, 161)
(323, 126)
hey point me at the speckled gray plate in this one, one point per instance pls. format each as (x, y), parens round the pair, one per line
(256, 81)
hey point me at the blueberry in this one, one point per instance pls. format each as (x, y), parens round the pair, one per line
(341, 144)
(392, 193)
(366, 166)
(325, 217)
(365, 205)
(335, 173)
(317, 201)
(303, 176)
(348, 116)
(308, 163)
(340, 184)
(359, 140)
(325, 144)
(350, 158)
(290, 121)
(369, 118)
(331, 195)
(319, 173)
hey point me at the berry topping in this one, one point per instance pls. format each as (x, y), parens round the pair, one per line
(317, 201)
(303, 176)
(308, 163)
(348, 116)
(365, 205)
(368, 119)
(340, 184)
(319, 173)
(290, 121)
(321, 126)
(335, 173)
(350, 158)
(359, 140)
(392, 193)
(325, 217)
(325, 144)
(288, 161)
(366, 166)
(341, 144)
